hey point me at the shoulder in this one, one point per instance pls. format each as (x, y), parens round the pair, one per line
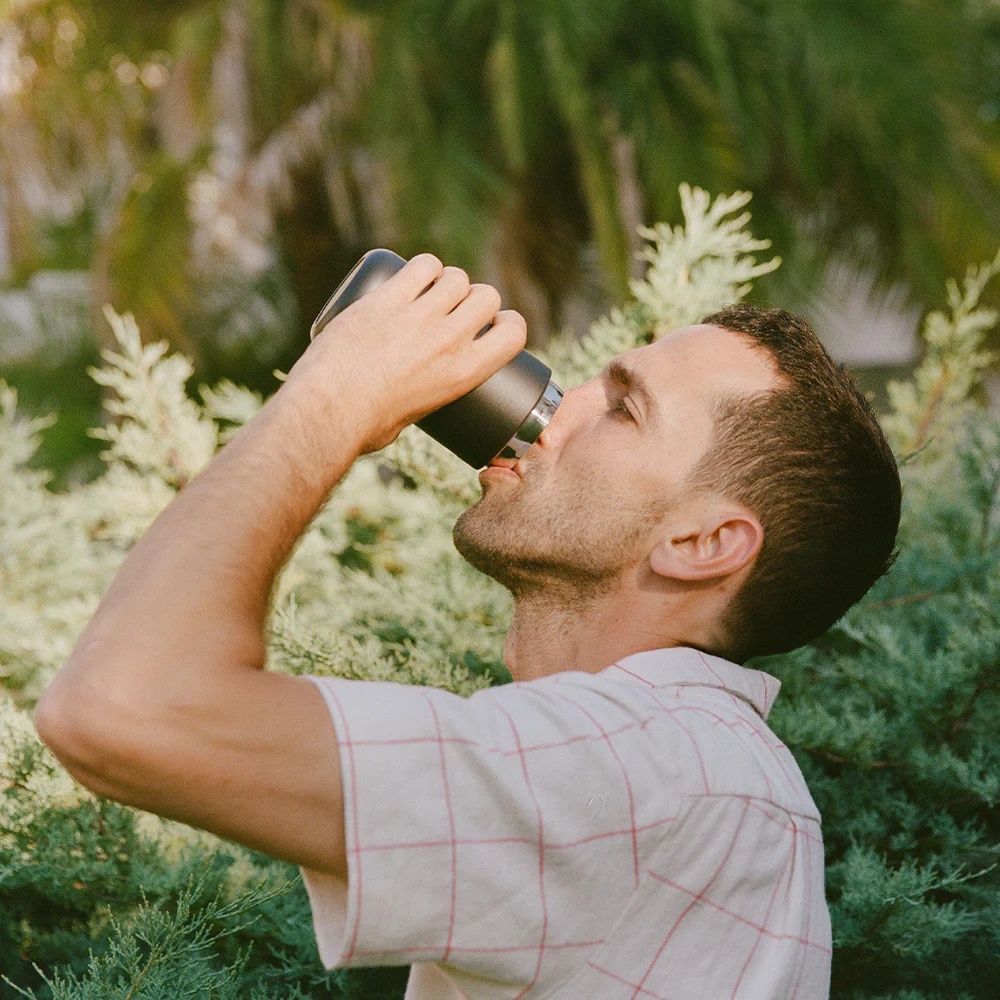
(706, 740)
(731, 750)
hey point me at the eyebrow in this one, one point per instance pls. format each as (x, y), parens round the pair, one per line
(631, 381)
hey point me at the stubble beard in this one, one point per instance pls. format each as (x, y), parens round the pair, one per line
(582, 536)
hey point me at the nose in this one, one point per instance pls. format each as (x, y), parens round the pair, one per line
(566, 417)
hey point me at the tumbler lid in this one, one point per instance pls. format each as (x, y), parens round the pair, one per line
(534, 423)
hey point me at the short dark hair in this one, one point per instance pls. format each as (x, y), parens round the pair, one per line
(809, 459)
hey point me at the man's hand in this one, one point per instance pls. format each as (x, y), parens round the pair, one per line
(164, 703)
(411, 347)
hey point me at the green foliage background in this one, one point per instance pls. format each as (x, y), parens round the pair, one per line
(533, 134)
(892, 715)
(213, 166)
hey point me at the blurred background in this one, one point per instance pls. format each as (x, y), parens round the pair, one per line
(217, 166)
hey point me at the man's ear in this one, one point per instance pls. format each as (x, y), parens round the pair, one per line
(717, 543)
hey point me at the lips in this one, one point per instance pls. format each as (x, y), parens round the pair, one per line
(507, 463)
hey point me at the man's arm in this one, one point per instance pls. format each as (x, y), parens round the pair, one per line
(164, 703)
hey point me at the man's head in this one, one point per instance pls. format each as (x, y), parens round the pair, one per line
(730, 473)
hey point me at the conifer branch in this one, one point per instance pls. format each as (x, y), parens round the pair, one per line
(896, 602)
(837, 759)
(939, 394)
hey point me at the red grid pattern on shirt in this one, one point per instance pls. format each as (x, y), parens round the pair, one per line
(700, 895)
(628, 782)
(522, 750)
(346, 744)
(639, 989)
(454, 841)
(549, 846)
(761, 928)
(802, 955)
(451, 827)
(788, 829)
(756, 732)
(506, 949)
(541, 855)
(465, 741)
(708, 667)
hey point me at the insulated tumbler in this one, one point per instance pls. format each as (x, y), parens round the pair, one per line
(502, 417)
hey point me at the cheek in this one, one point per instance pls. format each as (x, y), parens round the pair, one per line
(598, 452)
(605, 467)
(642, 474)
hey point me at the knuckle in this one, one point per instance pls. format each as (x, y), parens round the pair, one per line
(427, 262)
(489, 295)
(510, 316)
(456, 274)
(516, 323)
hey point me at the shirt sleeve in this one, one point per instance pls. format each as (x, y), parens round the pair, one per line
(495, 834)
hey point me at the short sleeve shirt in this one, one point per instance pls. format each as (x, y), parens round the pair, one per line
(633, 833)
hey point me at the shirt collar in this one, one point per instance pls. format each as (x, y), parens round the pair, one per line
(680, 665)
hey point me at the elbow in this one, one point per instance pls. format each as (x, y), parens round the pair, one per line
(85, 729)
(58, 720)
(49, 721)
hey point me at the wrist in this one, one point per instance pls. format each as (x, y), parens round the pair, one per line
(327, 419)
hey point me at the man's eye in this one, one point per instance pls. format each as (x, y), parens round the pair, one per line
(622, 409)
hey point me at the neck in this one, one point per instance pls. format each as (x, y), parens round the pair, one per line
(558, 628)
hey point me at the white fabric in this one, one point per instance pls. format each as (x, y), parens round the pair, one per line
(638, 832)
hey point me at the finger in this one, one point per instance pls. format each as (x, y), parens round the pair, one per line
(447, 292)
(477, 309)
(414, 276)
(500, 344)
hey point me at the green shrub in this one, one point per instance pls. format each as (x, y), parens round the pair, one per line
(892, 715)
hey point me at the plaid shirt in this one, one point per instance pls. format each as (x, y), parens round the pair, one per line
(634, 833)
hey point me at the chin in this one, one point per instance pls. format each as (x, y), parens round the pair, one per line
(518, 553)
(480, 535)
(494, 545)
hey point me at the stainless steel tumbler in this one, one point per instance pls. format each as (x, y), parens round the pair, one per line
(503, 417)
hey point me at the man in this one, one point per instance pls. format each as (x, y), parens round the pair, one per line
(619, 822)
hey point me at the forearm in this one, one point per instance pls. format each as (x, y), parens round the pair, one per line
(193, 594)
(162, 703)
